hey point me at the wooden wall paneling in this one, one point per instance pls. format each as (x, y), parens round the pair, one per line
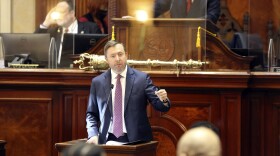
(272, 124)
(80, 8)
(245, 127)
(50, 5)
(79, 114)
(74, 106)
(41, 12)
(256, 120)
(61, 92)
(231, 122)
(121, 35)
(26, 122)
(188, 107)
(264, 123)
(263, 107)
(55, 119)
(67, 102)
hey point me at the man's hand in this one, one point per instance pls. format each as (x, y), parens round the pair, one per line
(162, 95)
(49, 20)
(93, 140)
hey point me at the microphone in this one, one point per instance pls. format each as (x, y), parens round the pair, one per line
(112, 86)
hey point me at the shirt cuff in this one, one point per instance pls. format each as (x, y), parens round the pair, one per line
(42, 26)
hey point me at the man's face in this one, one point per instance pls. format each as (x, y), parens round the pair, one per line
(66, 16)
(116, 58)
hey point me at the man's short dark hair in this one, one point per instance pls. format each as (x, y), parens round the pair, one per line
(110, 44)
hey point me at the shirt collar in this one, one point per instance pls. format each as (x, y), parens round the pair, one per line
(123, 74)
(73, 28)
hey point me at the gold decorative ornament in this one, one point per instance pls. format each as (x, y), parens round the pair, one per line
(98, 62)
(113, 33)
(198, 44)
(23, 65)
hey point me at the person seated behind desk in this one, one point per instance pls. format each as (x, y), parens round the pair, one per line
(61, 19)
(199, 141)
(208, 9)
(98, 13)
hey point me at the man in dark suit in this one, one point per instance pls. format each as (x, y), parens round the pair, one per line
(132, 124)
(60, 20)
(209, 9)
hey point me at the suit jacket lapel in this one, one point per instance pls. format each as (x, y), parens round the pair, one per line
(107, 88)
(129, 85)
(82, 29)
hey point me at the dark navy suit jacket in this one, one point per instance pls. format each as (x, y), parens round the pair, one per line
(139, 90)
(209, 9)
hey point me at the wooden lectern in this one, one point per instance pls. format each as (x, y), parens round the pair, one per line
(147, 149)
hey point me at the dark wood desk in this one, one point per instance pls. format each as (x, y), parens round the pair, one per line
(2, 147)
(147, 149)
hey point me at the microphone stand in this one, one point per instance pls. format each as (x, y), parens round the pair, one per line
(52, 61)
(112, 86)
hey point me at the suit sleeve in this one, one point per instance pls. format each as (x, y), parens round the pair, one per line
(92, 114)
(213, 10)
(161, 6)
(153, 98)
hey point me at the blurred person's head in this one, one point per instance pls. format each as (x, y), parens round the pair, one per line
(116, 56)
(199, 141)
(206, 124)
(84, 149)
(66, 11)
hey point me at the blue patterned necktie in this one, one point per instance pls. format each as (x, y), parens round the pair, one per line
(117, 114)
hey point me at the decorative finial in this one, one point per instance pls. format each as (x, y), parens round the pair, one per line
(198, 37)
(113, 33)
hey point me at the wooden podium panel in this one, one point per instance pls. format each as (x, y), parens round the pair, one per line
(144, 149)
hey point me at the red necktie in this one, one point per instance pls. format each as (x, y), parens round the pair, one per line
(189, 3)
(117, 114)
